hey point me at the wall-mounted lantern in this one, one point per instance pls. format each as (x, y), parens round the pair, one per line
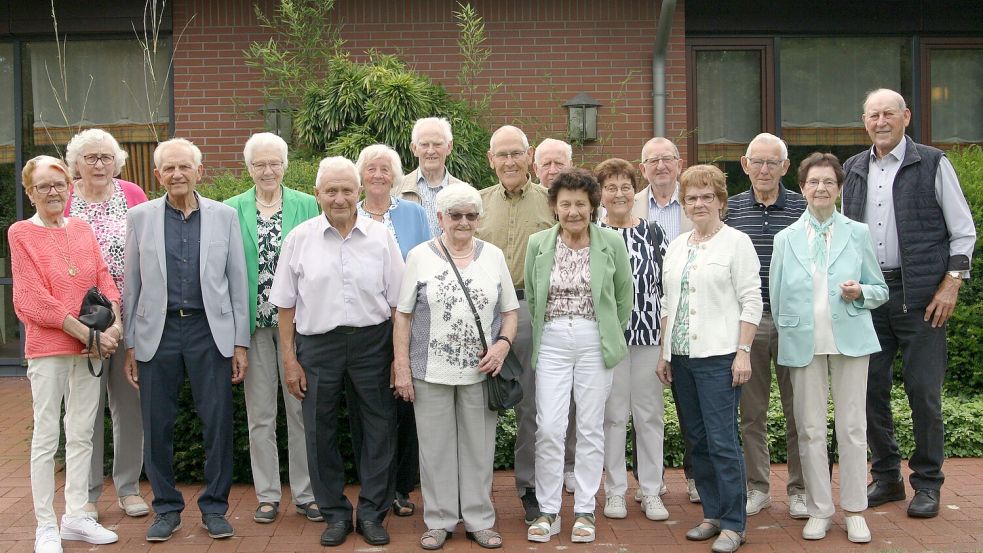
(582, 117)
(278, 118)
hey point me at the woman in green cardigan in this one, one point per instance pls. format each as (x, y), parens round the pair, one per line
(267, 213)
(580, 291)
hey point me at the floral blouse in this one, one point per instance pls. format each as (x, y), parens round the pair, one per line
(569, 292)
(680, 330)
(269, 232)
(108, 222)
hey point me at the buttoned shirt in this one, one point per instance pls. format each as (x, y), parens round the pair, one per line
(669, 216)
(428, 199)
(879, 211)
(509, 219)
(334, 280)
(182, 255)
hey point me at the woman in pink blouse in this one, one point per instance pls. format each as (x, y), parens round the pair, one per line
(55, 260)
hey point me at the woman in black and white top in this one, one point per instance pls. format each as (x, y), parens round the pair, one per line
(636, 388)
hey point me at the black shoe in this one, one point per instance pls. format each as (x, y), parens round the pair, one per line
(217, 526)
(373, 532)
(336, 532)
(164, 526)
(925, 504)
(531, 506)
(880, 492)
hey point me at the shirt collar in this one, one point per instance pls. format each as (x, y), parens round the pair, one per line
(361, 222)
(167, 202)
(898, 151)
(422, 181)
(779, 203)
(672, 200)
(521, 192)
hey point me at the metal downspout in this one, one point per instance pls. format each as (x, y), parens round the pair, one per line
(659, 66)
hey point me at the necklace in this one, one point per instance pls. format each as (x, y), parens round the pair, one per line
(462, 256)
(697, 239)
(271, 204)
(66, 256)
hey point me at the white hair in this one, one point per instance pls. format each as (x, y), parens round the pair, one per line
(767, 138)
(90, 137)
(898, 97)
(659, 139)
(509, 128)
(441, 122)
(457, 196)
(336, 163)
(159, 150)
(262, 140)
(567, 149)
(375, 151)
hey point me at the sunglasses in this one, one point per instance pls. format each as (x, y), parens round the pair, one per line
(457, 216)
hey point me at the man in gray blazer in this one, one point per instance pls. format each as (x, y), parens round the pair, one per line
(185, 311)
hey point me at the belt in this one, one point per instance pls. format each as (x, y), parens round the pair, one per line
(891, 274)
(520, 294)
(186, 312)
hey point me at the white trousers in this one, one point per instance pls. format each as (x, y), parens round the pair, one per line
(811, 386)
(570, 358)
(635, 389)
(263, 382)
(51, 380)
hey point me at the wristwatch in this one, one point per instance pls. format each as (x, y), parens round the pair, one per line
(746, 348)
(958, 275)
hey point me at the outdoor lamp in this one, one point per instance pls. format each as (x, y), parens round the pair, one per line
(582, 117)
(278, 118)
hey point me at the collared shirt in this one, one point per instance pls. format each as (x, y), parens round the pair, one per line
(668, 217)
(879, 211)
(334, 280)
(762, 223)
(428, 199)
(509, 219)
(182, 254)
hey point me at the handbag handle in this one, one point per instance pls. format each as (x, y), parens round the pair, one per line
(94, 338)
(467, 295)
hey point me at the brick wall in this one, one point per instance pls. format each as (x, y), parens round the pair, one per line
(543, 52)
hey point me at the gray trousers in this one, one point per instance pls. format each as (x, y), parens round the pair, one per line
(456, 432)
(755, 396)
(263, 382)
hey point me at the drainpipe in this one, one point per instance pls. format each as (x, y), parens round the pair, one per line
(659, 67)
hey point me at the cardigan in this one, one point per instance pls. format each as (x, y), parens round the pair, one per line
(612, 287)
(851, 257)
(297, 207)
(410, 223)
(725, 289)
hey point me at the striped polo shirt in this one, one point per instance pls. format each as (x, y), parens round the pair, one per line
(746, 214)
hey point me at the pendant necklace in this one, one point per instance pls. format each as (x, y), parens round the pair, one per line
(65, 256)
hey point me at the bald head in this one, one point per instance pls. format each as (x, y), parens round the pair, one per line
(885, 96)
(885, 119)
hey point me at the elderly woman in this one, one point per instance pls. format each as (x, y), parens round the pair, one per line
(267, 213)
(98, 197)
(711, 308)
(379, 167)
(441, 367)
(635, 388)
(825, 280)
(55, 260)
(579, 288)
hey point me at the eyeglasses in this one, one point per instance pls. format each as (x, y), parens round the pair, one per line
(706, 198)
(654, 161)
(814, 183)
(91, 159)
(45, 189)
(626, 189)
(472, 217)
(771, 163)
(275, 165)
(502, 156)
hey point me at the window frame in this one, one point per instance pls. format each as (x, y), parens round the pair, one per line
(925, 48)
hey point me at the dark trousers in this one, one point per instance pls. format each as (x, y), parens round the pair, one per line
(924, 358)
(406, 463)
(187, 347)
(363, 358)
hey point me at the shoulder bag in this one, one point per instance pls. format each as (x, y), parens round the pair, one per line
(97, 314)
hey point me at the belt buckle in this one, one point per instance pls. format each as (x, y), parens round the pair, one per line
(182, 313)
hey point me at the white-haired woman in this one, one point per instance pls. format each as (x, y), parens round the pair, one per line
(267, 213)
(100, 198)
(440, 366)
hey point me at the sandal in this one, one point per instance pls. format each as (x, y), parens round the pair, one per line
(437, 536)
(543, 528)
(584, 528)
(402, 506)
(266, 512)
(488, 538)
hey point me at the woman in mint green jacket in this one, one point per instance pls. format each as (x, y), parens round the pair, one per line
(580, 291)
(267, 213)
(825, 280)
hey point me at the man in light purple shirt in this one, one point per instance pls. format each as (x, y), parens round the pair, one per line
(336, 287)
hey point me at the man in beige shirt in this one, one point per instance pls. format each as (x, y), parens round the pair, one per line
(514, 209)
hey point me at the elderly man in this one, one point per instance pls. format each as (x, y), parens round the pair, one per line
(432, 142)
(551, 157)
(515, 208)
(761, 212)
(186, 311)
(336, 286)
(923, 236)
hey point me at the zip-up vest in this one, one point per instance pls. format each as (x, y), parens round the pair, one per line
(922, 235)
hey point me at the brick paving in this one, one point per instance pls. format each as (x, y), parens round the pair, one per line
(959, 527)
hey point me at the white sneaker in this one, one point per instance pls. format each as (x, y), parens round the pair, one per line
(816, 528)
(756, 501)
(85, 529)
(797, 506)
(47, 540)
(856, 529)
(614, 507)
(569, 482)
(694, 494)
(654, 509)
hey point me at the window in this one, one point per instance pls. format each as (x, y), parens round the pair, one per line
(9, 328)
(955, 90)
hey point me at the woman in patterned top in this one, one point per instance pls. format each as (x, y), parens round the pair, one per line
(440, 365)
(635, 387)
(580, 293)
(711, 306)
(267, 213)
(101, 199)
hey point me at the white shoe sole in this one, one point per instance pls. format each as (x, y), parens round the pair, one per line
(619, 514)
(72, 536)
(155, 539)
(657, 516)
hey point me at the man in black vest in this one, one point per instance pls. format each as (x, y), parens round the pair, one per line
(923, 234)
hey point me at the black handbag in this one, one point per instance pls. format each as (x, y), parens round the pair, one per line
(504, 390)
(97, 314)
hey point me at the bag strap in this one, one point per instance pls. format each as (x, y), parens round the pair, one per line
(467, 294)
(94, 338)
